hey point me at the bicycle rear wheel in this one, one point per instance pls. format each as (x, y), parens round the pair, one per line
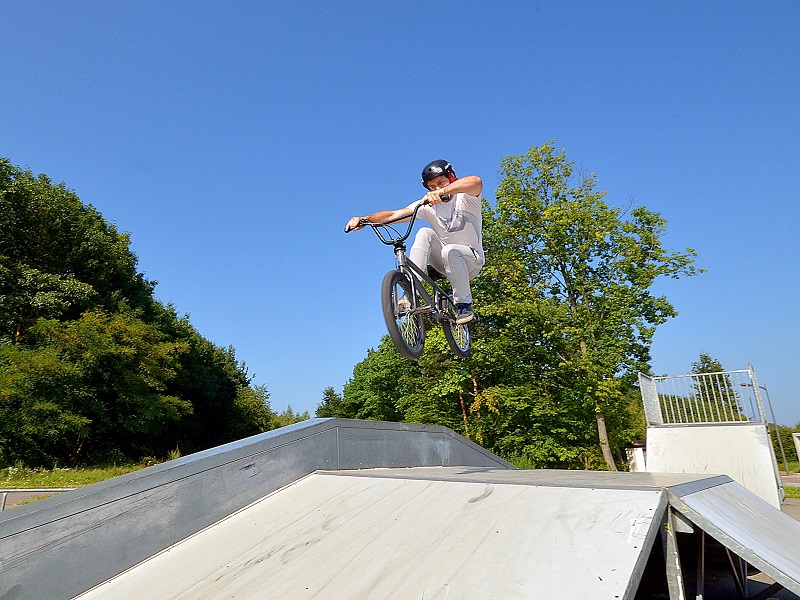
(406, 330)
(457, 336)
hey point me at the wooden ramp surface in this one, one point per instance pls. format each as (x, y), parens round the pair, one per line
(458, 532)
(412, 533)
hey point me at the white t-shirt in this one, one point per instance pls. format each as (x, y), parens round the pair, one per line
(456, 222)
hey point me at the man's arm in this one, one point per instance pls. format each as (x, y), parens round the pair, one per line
(401, 214)
(471, 184)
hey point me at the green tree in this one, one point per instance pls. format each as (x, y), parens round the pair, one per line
(715, 396)
(92, 367)
(289, 417)
(89, 387)
(251, 413)
(378, 382)
(566, 319)
(786, 440)
(593, 266)
(58, 257)
(332, 405)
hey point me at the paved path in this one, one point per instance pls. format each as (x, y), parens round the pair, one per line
(792, 480)
(16, 498)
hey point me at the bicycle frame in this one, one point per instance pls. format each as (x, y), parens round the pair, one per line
(415, 274)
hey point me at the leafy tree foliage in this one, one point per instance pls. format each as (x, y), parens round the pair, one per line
(289, 417)
(707, 364)
(331, 405)
(59, 257)
(92, 367)
(592, 266)
(566, 319)
(81, 384)
(716, 397)
(787, 441)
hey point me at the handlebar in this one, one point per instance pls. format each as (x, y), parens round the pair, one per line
(388, 224)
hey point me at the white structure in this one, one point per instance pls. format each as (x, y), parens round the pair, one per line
(636, 459)
(711, 423)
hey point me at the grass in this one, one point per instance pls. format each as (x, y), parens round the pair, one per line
(20, 476)
(794, 465)
(792, 492)
(23, 477)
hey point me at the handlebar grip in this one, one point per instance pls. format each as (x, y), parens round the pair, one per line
(362, 222)
(446, 197)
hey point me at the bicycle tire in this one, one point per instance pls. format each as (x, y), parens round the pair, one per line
(406, 330)
(458, 336)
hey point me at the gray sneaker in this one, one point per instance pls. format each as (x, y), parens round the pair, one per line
(464, 314)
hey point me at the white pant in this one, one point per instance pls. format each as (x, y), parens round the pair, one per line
(460, 263)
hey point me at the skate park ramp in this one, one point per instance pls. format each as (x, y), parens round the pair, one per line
(464, 524)
(64, 545)
(711, 423)
(459, 532)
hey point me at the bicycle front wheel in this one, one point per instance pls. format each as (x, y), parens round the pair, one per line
(407, 330)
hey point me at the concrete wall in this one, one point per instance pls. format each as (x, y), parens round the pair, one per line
(743, 451)
(64, 545)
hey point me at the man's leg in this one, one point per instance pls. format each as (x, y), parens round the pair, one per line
(427, 250)
(461, 266)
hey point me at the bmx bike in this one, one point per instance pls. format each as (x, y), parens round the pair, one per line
(406, 300)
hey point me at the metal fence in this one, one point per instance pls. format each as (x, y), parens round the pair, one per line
(724, 397)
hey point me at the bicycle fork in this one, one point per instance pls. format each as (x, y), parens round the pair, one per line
(418, 290)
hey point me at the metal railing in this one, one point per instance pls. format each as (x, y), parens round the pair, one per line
(707, 398)
(702, 398)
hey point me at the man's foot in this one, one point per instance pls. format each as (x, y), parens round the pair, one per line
(464, 313)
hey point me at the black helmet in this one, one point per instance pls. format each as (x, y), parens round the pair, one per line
(438, 167)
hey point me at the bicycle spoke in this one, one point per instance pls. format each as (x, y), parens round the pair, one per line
(458, 336)
(406, 328)
(409, 329)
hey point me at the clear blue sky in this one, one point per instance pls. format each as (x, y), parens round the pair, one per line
(233, 140)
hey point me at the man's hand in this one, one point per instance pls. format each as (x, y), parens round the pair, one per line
(353, 224)
(436, 197)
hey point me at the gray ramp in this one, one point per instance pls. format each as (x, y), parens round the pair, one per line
(748, 526)
(303, 513)
(59, 547)
(414, 533)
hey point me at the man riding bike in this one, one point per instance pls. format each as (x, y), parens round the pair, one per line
(453, 245)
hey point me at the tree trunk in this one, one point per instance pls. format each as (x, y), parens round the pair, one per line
(464, 414)
(602, 431)
(604, 446)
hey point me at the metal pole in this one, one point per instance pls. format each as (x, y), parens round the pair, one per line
(775, 424)
(777, 431)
